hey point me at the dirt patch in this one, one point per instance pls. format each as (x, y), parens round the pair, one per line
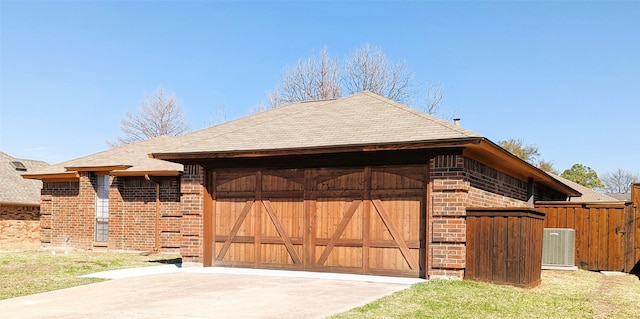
(616, 296)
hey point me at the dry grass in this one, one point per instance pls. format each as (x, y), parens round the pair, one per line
(579, 294)
(30, 272)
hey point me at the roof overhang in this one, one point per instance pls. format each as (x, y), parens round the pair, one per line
(478, 148)
(189, 157)
(73, 173)
(20, 204)
(55, 177)
(145, 173)
(96, 168)
(491, 154)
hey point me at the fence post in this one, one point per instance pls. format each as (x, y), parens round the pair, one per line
(629, 240)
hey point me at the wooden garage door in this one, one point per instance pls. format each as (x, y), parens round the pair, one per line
(358, 220)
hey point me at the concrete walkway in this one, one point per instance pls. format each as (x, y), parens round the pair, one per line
(173, 292)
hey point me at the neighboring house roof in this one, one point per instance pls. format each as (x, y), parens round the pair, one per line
(360, 122)
(131, 159)
(588, 195)
(13, 188)
(620, 196)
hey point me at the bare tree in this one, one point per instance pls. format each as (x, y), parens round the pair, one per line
(619, 181)
(434, 98)
(315, 78)
(157, 115)
(368, 69)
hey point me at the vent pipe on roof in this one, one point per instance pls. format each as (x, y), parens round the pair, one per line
(456, 122)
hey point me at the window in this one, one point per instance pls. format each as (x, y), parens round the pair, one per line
(102, 208)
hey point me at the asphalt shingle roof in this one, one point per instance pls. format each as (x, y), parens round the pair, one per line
(360, 119)
(588, 195)
(13, 188)
(134, 155)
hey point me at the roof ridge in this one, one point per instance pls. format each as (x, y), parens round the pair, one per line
(424, 115)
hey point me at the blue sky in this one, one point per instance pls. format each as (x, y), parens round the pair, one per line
(564, 76)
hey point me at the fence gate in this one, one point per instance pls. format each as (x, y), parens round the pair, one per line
(604, 232)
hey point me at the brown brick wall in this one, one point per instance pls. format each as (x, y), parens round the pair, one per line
(192, 190)
(132, 208)
(457, 183)
(449, 194)
(68, 214)
(19, 227)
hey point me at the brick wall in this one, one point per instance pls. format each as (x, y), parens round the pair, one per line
(68, 214)
(132, 214)
(457, 183)
(192, 190)
(19, 227)
(57, 200)
(449, 194)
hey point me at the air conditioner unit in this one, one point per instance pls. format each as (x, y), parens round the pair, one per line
(558, 248)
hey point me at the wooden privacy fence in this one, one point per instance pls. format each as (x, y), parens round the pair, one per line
(605, 232)
(504, 246)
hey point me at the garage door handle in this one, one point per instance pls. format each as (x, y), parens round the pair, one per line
(618, 231)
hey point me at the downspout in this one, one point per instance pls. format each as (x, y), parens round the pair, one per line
(156, 246)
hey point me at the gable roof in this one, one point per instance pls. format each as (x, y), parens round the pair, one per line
(588, 195)
(127, 160)
(358, 120)
(13, 188)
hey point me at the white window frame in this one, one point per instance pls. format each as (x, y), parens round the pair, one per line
(102, 208)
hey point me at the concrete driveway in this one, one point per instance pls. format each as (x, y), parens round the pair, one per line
(207, 293)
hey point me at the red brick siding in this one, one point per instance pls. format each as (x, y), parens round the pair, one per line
(447, 231)
(57, 198)
(192, 190)
(457, 183)
(504, 189)
(19, 227)
(68, 214)
(132, 210)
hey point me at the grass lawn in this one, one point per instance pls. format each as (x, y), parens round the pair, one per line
(29, 272)
(579, 294)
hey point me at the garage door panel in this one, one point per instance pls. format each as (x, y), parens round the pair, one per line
(341, 257)
(284, 180)
(341, 215)
(235, 182)
(391, 223)
(237, 252)
(396, 179)
(235, 214)
(404, 213)
(351, 179)
(390, 259)
(289, 212)
(277, 254)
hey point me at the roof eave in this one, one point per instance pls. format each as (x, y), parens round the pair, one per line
(70, 176)
(429, 144)
(167, 173)
(20, 203)
(490, 153)
(104, 168)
